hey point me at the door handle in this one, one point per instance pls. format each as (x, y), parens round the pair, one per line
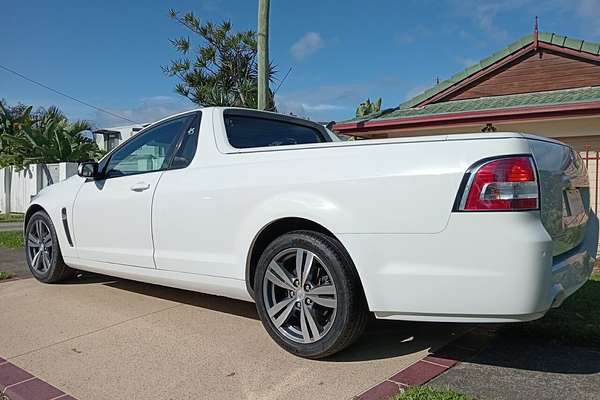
(140, 187)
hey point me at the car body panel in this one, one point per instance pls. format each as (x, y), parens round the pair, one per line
(562, 172)
(53, 199)
(111, 221)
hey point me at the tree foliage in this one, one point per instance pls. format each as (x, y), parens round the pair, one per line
(367, 108)
(42, 137)
(222, 70)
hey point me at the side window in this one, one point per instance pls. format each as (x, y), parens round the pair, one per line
(189, 142)
(244, 132)
(148, 152)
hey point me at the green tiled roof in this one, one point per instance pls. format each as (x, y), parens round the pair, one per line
(565, 96)
(548, 37)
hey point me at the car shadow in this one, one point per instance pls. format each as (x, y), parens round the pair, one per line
(381, 340)
(196, 299)
(565, 341)
(538, 355)
(388, 339)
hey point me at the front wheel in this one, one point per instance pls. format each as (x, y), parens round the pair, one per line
(308, 295)
(42, 250)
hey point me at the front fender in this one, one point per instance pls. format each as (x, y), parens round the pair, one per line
(52, 200)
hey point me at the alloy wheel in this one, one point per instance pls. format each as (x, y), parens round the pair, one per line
(300, 295)
(39, 246)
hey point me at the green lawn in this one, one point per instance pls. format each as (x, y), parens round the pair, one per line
(5, 275)
(12, 217)
(11, 240)
(427, 393)
(576, 322)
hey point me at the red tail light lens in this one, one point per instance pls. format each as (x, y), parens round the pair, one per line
(503, 184)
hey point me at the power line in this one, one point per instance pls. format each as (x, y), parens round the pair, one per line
(66, 95)
(283, 80)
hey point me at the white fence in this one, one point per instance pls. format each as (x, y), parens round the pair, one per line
(17, 187)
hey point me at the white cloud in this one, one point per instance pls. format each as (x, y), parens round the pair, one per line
(484, 16)
(313, 111)
(158, 99)
(321, 107)
(415, 91)
(466, 61)
(484, 13)
(149, 109)
(325, 102)
(404, 38)
(308, 44)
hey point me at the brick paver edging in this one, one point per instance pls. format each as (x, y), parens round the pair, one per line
(424, 370)
(18, 384)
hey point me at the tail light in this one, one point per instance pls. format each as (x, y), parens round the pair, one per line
(503, 184)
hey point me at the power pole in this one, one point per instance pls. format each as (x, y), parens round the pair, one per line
(263, 52)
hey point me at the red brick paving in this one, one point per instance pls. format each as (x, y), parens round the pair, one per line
(432, 365)
(18, 384)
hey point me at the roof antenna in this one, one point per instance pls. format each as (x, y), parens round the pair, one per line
(535, 34)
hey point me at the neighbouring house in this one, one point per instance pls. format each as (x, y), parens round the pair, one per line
(544, 83)
(109, 138)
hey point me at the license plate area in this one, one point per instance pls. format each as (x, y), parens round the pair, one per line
(573, 209)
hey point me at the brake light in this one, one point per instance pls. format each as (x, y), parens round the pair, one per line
(501, 185)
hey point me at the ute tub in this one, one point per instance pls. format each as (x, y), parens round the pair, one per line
(484, 267)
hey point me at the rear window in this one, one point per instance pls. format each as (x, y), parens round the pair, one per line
(244, 132)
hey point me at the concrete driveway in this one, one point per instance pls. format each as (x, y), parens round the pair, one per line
(102, 338)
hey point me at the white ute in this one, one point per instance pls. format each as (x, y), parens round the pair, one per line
(487, 227)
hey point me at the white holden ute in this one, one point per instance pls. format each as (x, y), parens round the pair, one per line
(320, 233)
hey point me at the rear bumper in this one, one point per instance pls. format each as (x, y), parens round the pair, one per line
(570, 271)
(484, 267)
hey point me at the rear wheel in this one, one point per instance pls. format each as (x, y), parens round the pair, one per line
(308, 294)
(43, 251)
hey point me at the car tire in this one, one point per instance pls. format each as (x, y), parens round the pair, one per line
(338, 319)
(42, 250)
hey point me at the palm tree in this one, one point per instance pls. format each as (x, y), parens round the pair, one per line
(54, 139)
(13, 120)
(43, 137)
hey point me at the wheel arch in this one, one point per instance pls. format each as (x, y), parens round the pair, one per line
(273, 230)
(30, 211)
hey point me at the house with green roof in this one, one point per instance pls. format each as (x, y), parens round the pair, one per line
(544, 83)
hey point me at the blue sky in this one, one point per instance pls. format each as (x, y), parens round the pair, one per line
(109, 53)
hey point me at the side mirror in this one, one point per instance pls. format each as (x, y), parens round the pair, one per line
(88, 169)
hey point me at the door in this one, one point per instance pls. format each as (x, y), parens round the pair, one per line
(180, 235)
(197, 210)
(112, 215)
